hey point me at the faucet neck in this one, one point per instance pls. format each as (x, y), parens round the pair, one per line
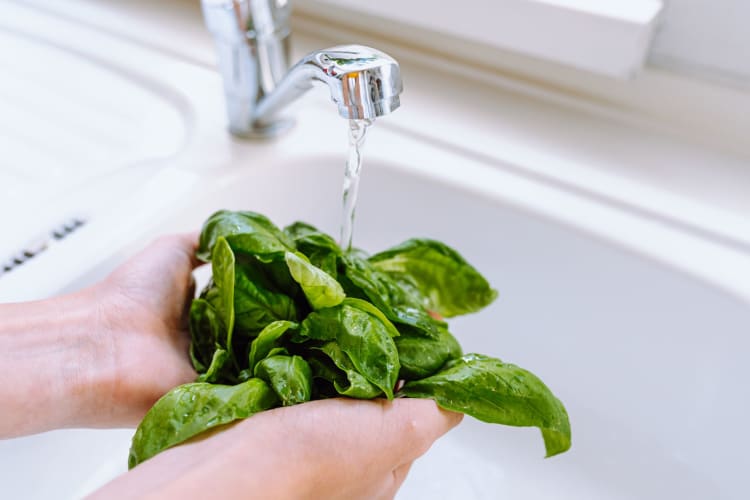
(252, 44)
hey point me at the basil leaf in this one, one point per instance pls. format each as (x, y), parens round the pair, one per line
(205, 331)
(272, 276)
(365, 306)
(293, 317)
(282, 351)
(307, 237)
(367, 339)
(363, 336)
(448, 284)
(257, 306)
(422, 356)
(222, 266)
(247, 373)
(191, 409)
(498, 393)
(387, 295)
(324, 373)
(289, 376)
(320, 248)
(247, 232)
(347, 381)
(213, 374)
(267, 340)
(321, 325)
(319, 287)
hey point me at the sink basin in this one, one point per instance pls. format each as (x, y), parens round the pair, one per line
(645, 345)
(621, 339)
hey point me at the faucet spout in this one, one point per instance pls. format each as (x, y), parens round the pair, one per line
(252, 44)
(365, 83)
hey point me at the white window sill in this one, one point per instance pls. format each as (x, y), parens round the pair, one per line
(607, 38)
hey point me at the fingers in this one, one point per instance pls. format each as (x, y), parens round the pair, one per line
(335, 449)
(399, 476)
(391, 432)
(187, 243)
(170, 257)
(412, 425)
(172, 254)
(379, 435)
(185, 313)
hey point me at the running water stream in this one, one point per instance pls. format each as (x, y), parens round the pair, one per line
(357, 131)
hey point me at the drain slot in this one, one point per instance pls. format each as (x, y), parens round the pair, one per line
(42, 243)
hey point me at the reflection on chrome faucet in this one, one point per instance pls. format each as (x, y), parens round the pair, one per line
(252, 40)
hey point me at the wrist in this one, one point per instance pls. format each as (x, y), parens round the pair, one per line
(58, 358)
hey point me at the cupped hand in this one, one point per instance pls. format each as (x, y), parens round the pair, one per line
(333, 449)
(143, 308)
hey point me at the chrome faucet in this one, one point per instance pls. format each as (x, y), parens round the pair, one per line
(252, 41)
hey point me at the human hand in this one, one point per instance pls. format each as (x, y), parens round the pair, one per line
(333, 449)
(102, 356)
(144, 306)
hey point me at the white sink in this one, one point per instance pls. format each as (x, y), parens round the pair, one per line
(94, 127)
(72, 127)
(620, 339)
(648, 361)
(642, 332)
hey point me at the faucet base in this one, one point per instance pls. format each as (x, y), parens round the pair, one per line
(263, 130)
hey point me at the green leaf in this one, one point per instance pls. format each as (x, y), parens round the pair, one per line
(322, 325)
(324, 373)
(292, 317)
(363, 336)
(247, 232)
(308, 237)
(267, 340)
(365, 306)
(422, 356)
(244, 375)
(386, 294)
(205, 331)
(320, 248)
(319, 287)
(255, 305)
(346, 380)
(417, 318)
(222, 267)
(281, 351)
(289, 376)
(448, 284)
(218, 362)
(248, 373)
(498, 393)
(191, 409)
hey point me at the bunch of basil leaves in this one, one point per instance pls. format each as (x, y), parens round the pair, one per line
(289, 316)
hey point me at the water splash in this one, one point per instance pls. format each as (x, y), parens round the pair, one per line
(357, 131)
